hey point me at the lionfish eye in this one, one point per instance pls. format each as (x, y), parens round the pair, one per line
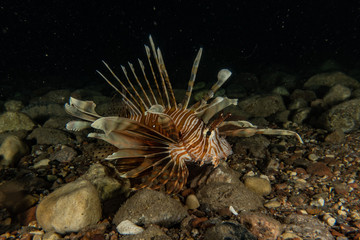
(208, 133)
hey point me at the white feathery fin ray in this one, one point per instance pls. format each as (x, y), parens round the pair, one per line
(87, 107)
(148, 83)
(78, 109)
(148, 55)
(166, 76)
(77, 125)
(159, 68)
(128, 101)
(222, 76)
(218, 104)
(194, 69)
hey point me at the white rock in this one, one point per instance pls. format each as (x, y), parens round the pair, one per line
(42, 163)
(127, 227)
(70, 208)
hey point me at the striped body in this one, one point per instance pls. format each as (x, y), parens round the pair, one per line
(193, 144)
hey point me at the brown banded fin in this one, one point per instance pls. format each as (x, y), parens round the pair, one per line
(194, 69)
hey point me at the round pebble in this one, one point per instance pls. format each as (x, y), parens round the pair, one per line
(259, 185)
(192, 202)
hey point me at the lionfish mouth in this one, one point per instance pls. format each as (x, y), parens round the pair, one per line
(159, 137)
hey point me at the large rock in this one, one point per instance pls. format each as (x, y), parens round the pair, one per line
(262, 106)
(151, 207)
(15, 121)
(344, 116)
(50, 136)
(307, 227)
(70, 208)
(228, 230)
(107, 186)
(331, 79)
(223, 195)
(337, 94)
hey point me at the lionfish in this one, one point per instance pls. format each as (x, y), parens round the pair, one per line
(159, 136)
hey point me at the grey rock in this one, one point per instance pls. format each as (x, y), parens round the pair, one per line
(297, 103)
(13, 105)
(336, 137)
(44, 111)
(65, 154)
(11, 150)
(153, 232)
(60, 96)
(282, 116)
(307, 95)
(337, 94)
(151, 207)
(107, 186)
(223, 173)
(301, 115)
(50, 136)
(262, 106)
(223, 195)
(331, 79)
(69, 208)
(57, 122)
(344, 116)
(228, 230)
(307, 227)
(15, 121)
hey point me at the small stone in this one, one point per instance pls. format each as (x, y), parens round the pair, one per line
(192, 202)
(336, 137)
(127, 227)
(289, 236)
(42, 163)
(313, 157)
(320, 202)
(66, 154)
(51, 236)
(259, 185)
(50, 136)
(329, 219)
(272, 204)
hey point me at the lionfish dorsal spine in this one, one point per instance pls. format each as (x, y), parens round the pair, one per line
(148, 83)
(148, 55)
(140, 85)
(194, 69)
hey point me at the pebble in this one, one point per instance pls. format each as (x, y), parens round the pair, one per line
(15, 121)
(313, 157)
(127, 227)
(13, 105)
(259, 185)
(320, 202)
(329, 219)
(192, 202)
(51, 236)
(272, 204)
(42, 163)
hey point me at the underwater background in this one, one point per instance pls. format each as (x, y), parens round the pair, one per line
(60, 44)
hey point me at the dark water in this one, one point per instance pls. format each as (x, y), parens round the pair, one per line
(60, 44)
